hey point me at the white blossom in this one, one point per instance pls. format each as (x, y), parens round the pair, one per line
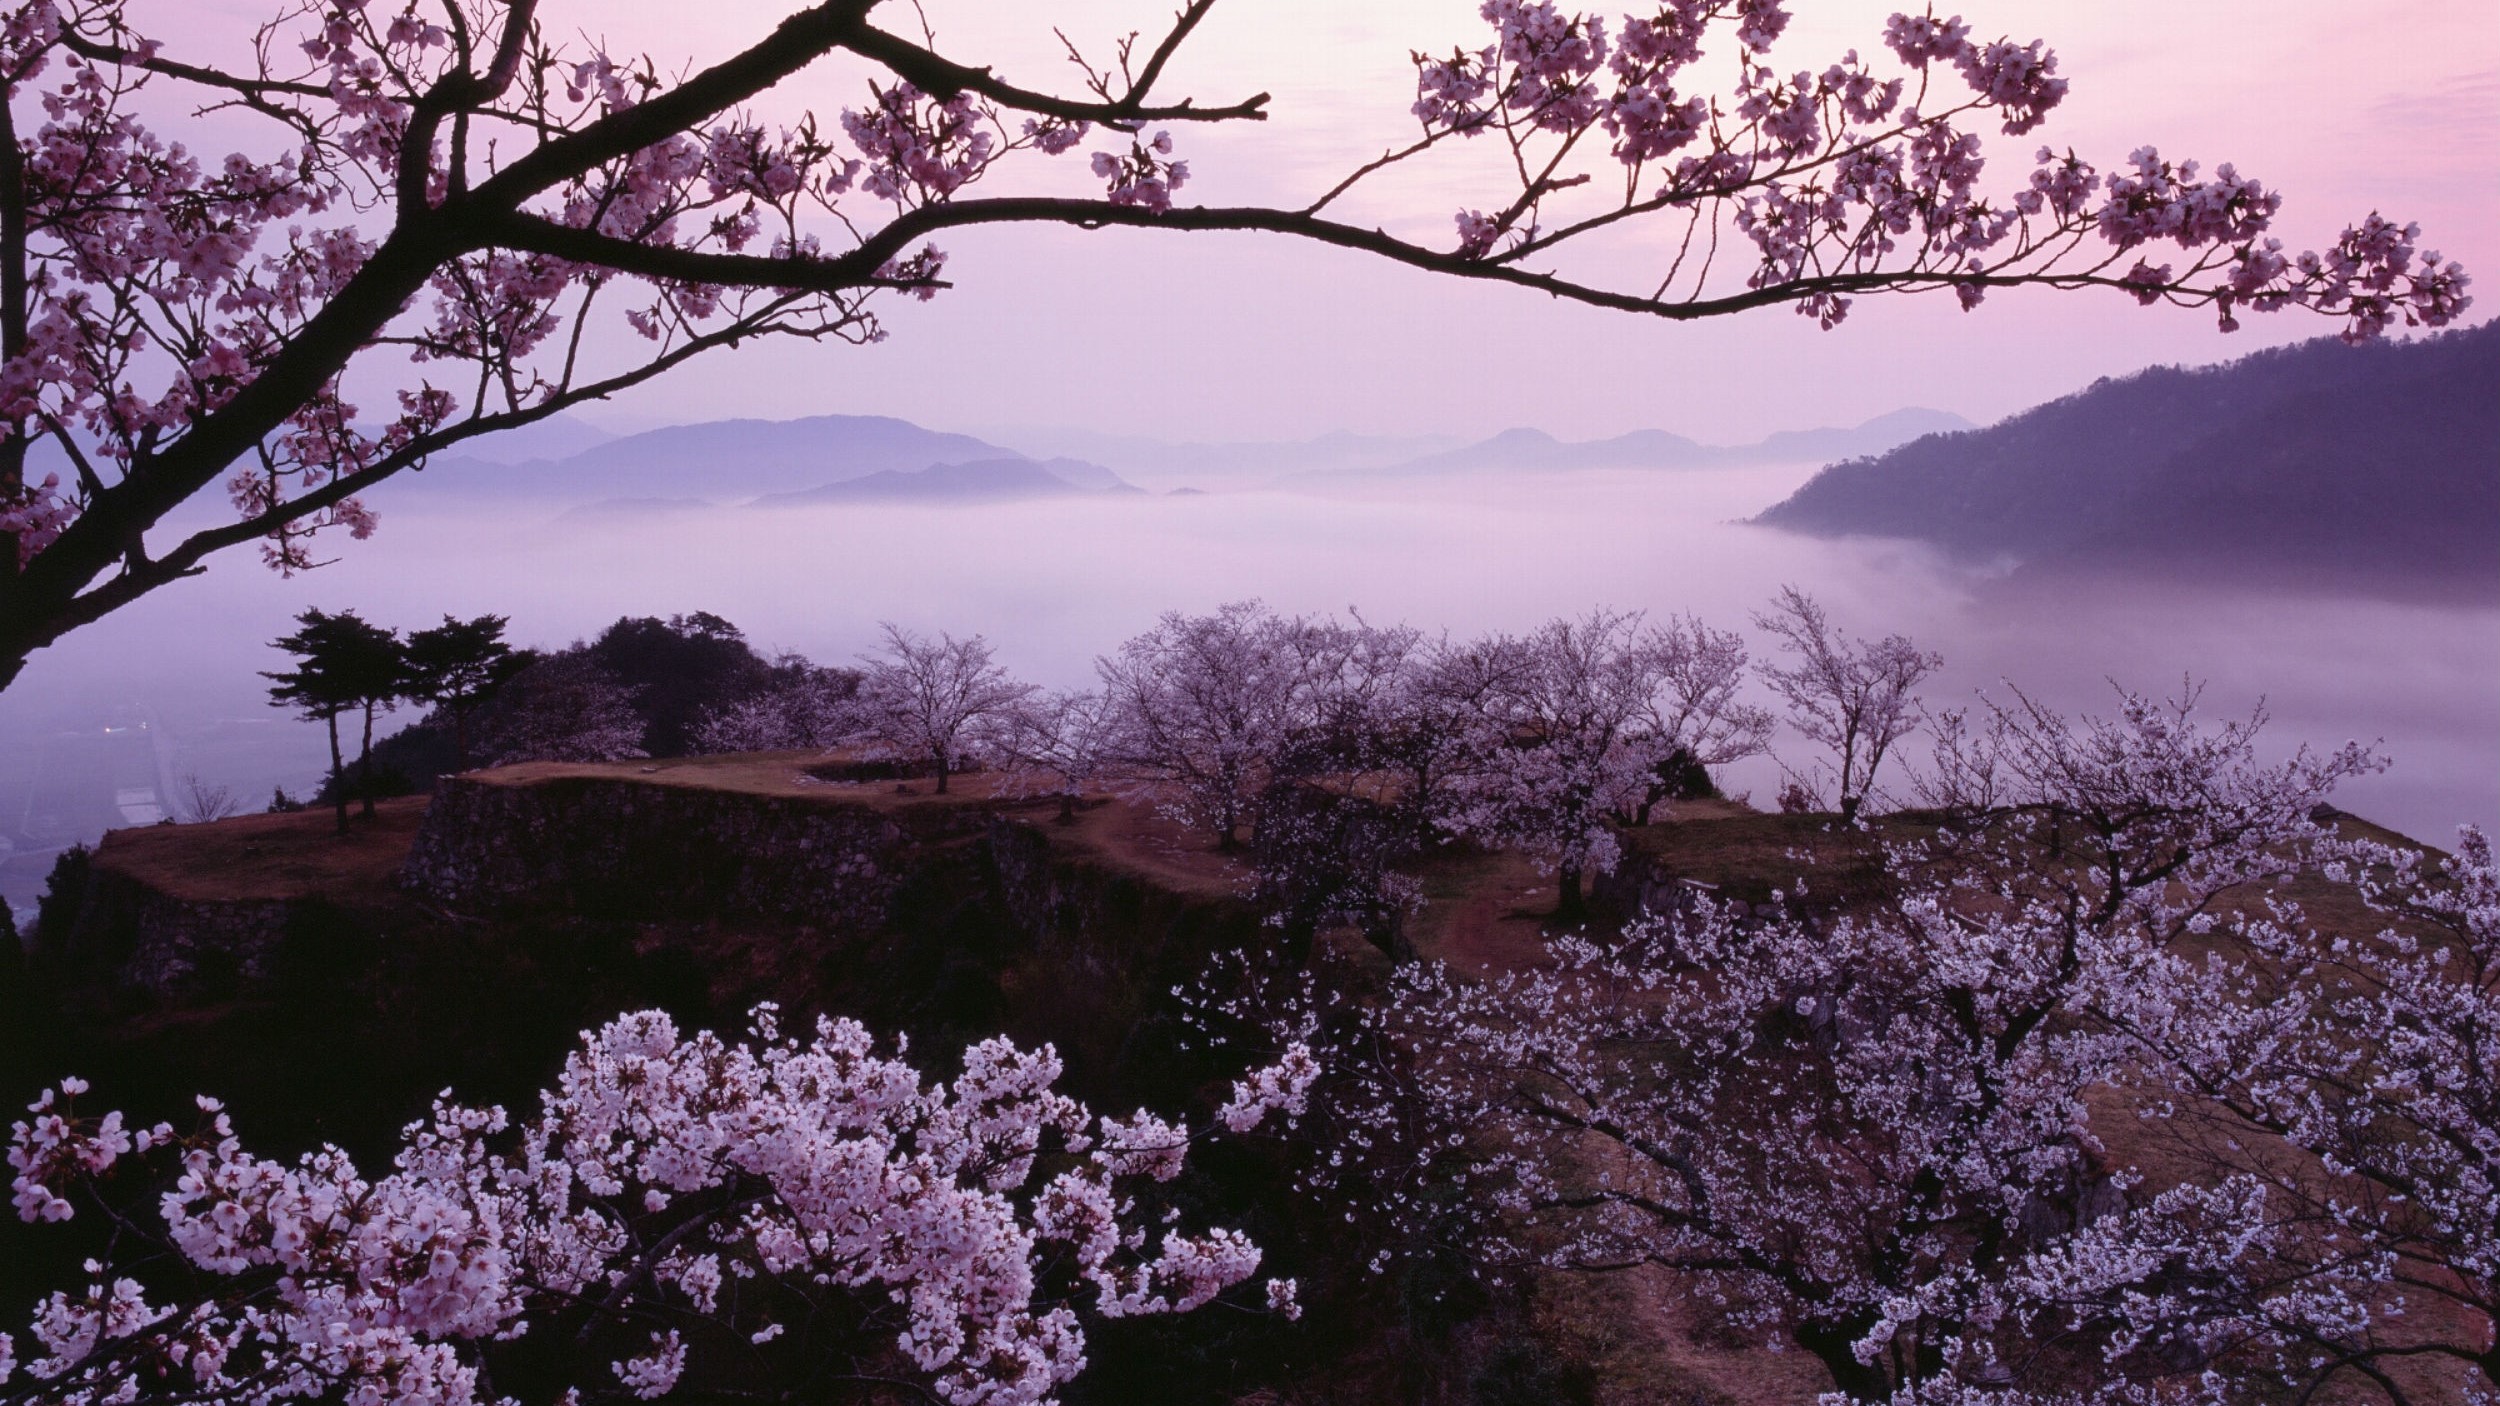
(661, 1168)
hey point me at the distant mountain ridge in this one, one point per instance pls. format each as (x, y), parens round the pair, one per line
(733, 461)
(1535, 450)
(1222, 464)
(556, 437)
(2320, 461)
(726, 460)
(982, 481)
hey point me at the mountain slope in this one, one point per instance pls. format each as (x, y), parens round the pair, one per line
(982, 481)
(2317, 461)
(727, 459)
(1535, 450)
(1167, 464)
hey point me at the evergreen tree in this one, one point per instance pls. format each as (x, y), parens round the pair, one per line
(455, 665)
(344, 662)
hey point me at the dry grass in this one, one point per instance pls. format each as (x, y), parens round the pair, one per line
(1650, 1340)
(1484, 913)
(1127, 835)
(298, 854)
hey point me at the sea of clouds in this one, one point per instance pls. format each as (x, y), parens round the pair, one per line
(1053, 584)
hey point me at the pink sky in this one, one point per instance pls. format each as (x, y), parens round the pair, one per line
(2346, 107)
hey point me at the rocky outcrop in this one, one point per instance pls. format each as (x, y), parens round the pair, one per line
(1092, 954)
(946, 917)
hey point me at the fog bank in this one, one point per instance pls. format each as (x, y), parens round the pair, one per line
(1054, 584)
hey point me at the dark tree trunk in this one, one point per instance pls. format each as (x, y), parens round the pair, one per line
(459, 739)
(1389, 935)
(1571, 906)
(941, 773)
(1294, 939)
(1835, 1348)
(338, 771)
(12, 319)
(1067, 807)
(364, 766)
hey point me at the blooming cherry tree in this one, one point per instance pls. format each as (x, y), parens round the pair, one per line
(2372, 1054)
(1067, 740)
(1877, 1131)
(444, 205)
(1855, 698)
(1696, 714)
(1430, 734)
(1575, 734)
(804, 706)
(684, 1215)
(930, 699)
(565, 707)
(1205, 705)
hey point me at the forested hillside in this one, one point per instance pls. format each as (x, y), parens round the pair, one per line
(2320, 462)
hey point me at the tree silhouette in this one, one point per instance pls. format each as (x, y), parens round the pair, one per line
(456, 664)
(1856, 698)
(677, 668)
(345, 662)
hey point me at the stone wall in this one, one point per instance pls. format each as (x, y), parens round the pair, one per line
(945, 917)
(130, 936)
(611, 845)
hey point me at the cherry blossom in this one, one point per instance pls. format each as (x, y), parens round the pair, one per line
(1855, 698)
(1558, 759)
(1785, 164)
(1205, 705)
(1572, 739)
(1145, 177)
(2371, 1054)
(679, 1203)
(804, 707)
(1873, 1129)
(562, 708)
(932, 700)
(1427, 731)
(1060, 743)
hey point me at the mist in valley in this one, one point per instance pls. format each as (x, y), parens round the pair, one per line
(124, 716)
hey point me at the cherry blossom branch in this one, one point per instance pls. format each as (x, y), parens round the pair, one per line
(186, 557)
(186, 320)
(150, 60)
(943, 78)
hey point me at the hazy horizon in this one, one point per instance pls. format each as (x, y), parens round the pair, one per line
(1053, 584)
